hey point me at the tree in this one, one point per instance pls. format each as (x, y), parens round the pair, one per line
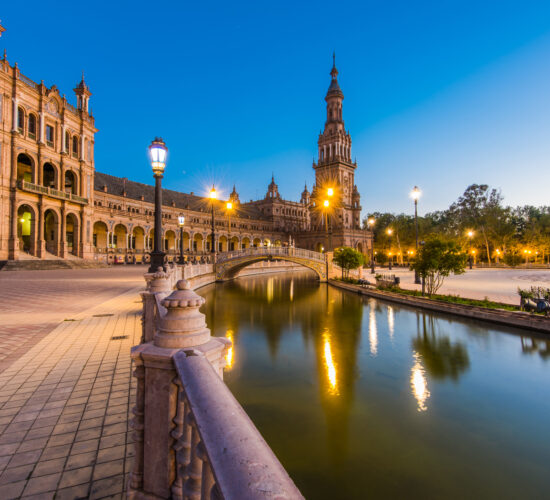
(347, 258)
(436, 260)
(479, 208)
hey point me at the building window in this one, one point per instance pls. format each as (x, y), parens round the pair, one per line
(67, 142)
(20, 120)
(32, 126)
(49, 135)
(75, 146)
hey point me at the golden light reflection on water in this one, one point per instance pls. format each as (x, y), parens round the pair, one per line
(331, 368)
(391, 321)
(291, 290)
(419, 384)
(229, 356)
(270, 290)
(373, 333)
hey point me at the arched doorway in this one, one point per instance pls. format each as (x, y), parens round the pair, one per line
(267, 242)
(186, 242)
(100, 236)
(208, 243)
(71, 233)
(49, 176)
(70, 182)
(222, 244)
(360, 247)
(257, 242)
(51, 231)
(319, 247)
(277, 243)
(245, 243)
(234, 244)
(170, 241)
(197, 243)
(25, 168)
(119, 237)
(26, 229)
(138, 239)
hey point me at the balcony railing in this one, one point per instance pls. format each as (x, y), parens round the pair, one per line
(54, 193)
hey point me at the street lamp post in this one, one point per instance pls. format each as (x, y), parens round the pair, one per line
(330, 194)
(415, 194)
(181, 222)
(389, 231)
(326, 205)
(157, 153)
(370, 223)
(213, 196)
(229, 207)
(470, 236)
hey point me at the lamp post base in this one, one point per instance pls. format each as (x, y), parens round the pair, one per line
(157, 260)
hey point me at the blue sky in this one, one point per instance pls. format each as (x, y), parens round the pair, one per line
(437, 94)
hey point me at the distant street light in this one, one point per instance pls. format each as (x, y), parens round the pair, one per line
(229, 207)
(181, 222)
(415, 195)
(390, 232)
(157, 153)
(213, 195)
(370, 223)
(470, 235)
(326, 205)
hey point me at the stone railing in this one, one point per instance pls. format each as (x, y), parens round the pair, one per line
(28, 81)
(54, 193)
(274, 251)
(192, 439)
(219, 452)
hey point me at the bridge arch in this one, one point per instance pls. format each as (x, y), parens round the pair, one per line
(229, 264)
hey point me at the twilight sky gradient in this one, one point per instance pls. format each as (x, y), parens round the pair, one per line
(439, 94)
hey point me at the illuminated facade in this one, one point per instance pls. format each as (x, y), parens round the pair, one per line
(54, 204)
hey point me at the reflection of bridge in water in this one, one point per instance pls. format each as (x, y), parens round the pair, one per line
(228, 264)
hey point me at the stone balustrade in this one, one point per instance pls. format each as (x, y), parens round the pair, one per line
(192, 439)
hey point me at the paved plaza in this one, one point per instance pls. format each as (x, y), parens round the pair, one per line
(500, 285)
(66, 391)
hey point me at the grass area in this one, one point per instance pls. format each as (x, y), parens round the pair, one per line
(452, 299)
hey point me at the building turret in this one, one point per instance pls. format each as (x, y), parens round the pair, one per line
(82, 95)
(305, 196)
(234, 196)
(273, 190)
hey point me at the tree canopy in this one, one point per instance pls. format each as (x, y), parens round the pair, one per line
(347, 258)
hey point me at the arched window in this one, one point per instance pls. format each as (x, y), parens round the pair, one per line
(75, 146)
(67, 142)
(32, 126)
(20, 119)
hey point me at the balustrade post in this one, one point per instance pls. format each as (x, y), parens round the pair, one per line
(170, 325)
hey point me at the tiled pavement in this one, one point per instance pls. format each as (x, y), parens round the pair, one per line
(34, 302)
(65, 404)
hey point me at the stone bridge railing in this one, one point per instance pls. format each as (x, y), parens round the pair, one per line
(274, 251)
(192, 438)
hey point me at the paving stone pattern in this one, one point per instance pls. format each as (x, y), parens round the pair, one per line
(65, 407)
(33, 303)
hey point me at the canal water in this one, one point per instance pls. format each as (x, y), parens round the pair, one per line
(360, 398)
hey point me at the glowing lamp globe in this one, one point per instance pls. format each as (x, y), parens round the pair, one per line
(326, 203)
(213, 195)
(157, 153)
(229, 205)
(415, 193)
(181, 220)
(330, 191)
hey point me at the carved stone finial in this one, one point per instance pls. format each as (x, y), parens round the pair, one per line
(182, 325)
(158, 282)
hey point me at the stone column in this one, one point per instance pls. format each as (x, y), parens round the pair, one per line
(61, 243)
(180, 326)
(41, 244)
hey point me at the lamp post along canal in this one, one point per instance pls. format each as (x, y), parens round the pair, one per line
(415, 194)
(389, 231)
(181, 222)
(370, 223)
(213, 196)
(326, 205)
(157, 153)
(470, 236)
(229, 207)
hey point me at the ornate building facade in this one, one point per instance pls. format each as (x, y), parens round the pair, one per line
(54, 204)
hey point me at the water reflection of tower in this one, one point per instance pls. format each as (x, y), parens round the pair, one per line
(335, 329)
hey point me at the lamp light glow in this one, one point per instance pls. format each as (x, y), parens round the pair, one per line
(330, 192)
(229, 205)
(326, 203)
(416, 193)
(213, 193)
(181, 220)
(158, 153)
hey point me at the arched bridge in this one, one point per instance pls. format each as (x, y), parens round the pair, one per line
(228, 264)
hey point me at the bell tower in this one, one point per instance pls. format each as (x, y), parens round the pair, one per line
(334, 167)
